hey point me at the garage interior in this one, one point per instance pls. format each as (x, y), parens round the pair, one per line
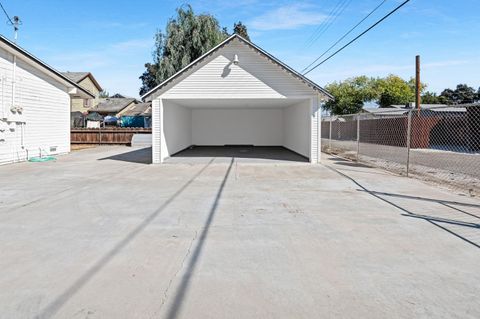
(275, 129)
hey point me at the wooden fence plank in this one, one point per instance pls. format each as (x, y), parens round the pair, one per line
(105, 135)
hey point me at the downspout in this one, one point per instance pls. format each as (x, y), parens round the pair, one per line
(319, 128)
(14, 75)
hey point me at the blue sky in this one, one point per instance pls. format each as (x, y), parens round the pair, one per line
(113, 39)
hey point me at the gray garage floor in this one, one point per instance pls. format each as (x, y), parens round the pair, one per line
(102, 234)
(242, 154)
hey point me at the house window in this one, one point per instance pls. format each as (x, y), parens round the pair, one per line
(86, 102)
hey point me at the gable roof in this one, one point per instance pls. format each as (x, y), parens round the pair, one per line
(273, 59)
(111, 105)
(47, 69)
(139, 109)
(78, 77)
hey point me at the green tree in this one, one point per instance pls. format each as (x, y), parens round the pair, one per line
(241, 29)
(431, 98)
(350, 95)
(461, 95)
(103, 94)
(394, 90)
(186, 37)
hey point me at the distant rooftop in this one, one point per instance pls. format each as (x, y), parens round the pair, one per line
(112, 105)
(139, 109)
(77, 77)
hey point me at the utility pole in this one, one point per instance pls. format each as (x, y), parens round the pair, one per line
(418, 99)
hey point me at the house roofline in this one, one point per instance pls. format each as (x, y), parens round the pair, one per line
(220, 45)
(90, 75)
(30, 56)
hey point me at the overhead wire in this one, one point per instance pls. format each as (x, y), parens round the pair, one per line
(346, 34)
(357, 37)
(5, 11)
(342, 9)
(321, 26)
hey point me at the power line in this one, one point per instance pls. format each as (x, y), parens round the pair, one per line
(343, 37)
(357, 37)
(326, 21)
(342, 9)
(5, 11)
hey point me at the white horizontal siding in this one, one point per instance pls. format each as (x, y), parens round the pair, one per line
(256, 76)
(157, 110)
(46, 111)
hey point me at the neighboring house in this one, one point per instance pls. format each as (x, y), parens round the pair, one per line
(383, 111)
(426, 109)
(87, 81)
(236, 94)
(137, 115)
(35, 105)
(112, 106)
(120, 96)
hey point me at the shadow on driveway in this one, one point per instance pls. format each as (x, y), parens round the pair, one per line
(52, 308)
(140, 156)
(440, 222)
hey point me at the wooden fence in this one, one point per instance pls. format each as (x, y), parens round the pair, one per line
(105, 135)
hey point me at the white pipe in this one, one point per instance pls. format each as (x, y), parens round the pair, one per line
(14, 76)
(3, 97)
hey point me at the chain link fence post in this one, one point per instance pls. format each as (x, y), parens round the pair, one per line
(409, 138)
(358, 136)
(330, 134)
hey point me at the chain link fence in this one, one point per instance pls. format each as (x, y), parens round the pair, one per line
(437, 143)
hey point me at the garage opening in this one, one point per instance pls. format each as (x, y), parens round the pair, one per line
(276, 129)
(241, 153)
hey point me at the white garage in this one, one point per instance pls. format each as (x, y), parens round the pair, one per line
(236, 94)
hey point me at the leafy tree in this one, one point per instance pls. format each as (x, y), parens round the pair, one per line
(186, 37)
(349, 95)
(103, 94)
(431, 98)
(241, 29)
(461, 95)
(394, 90)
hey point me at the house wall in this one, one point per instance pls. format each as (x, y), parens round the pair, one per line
(254, 77)
(125, 109)
(78, 103)
(221, 126)
(176, 128)
(296, 124)
(46, 112)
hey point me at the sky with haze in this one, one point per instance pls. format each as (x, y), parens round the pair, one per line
(113, 39)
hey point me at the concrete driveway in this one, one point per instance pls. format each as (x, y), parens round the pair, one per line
(101, 234)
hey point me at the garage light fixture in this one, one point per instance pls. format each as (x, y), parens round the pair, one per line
(235, 59)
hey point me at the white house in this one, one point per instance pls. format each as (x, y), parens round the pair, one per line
(34, 106)
(236, 94)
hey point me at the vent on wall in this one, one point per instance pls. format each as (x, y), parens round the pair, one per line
(53, 148)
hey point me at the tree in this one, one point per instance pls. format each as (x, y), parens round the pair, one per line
(241, 29)
(186, 37)
(431, 98)
(461, 95)
(350, 95)
(394, 90)
(103, 94)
